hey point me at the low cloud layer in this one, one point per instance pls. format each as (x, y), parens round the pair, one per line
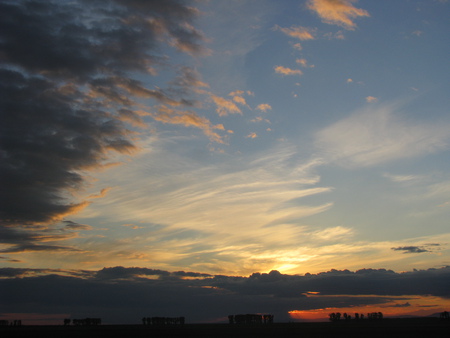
(124, 295)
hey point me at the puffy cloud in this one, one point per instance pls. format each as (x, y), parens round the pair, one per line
(65, 107)
(337, 12)
(287, 71)
(264, 107)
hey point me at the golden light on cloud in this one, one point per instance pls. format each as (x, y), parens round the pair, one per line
(287, 71)
(337, 12)
(264, 107)
(224, 106)
(304, 63)
(240, 100)
(188, 119)
(298, 32)
(371, 99)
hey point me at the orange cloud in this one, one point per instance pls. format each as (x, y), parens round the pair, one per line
(337, 12)
(240, 100)
(224, 106)
(304, 63)
(287, 71)
(298, 32)
(264, 107)
(252, 135)
(188, 119)
(260, 119)
(371, 99)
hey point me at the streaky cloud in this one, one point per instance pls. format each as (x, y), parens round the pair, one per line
(378, 134)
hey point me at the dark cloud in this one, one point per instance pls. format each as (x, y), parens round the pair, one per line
(410, 249)
(122, 295)
(407, 304)
(67, 94)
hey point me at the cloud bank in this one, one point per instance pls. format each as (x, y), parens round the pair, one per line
(124, 295)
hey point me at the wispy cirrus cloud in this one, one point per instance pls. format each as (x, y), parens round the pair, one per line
(265, 196)
(298, 32)
(337, 12)
(379, 134)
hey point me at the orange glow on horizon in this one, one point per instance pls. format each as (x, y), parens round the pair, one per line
(420, 306)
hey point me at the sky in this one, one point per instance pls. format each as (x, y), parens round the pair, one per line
(203, 158)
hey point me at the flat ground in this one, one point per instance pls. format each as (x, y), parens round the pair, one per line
(418, 327)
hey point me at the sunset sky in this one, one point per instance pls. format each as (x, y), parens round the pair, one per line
(217, 157)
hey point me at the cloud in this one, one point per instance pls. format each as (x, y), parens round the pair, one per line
(304, 63)
(337, 12)
(66, 108)
(379, 134)
(371, 99)
(252, 135)
(402, 178)
(188, 119)
(260, 119)
(298, 32)
(264, 107)
(287, 71)
(407, 304)
(411, 249)
(102, 193)
(123, 295)
(224, 106)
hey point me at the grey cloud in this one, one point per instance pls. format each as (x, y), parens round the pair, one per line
(75, 226)
(410, 249)
(120, 295)
(407, 304)
(62, 65)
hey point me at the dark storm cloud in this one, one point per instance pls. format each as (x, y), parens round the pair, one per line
(122, 295)
(67, 94)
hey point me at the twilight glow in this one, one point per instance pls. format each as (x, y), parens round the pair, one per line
(275, 152)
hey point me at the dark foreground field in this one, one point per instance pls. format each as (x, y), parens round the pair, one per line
(419, 327)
